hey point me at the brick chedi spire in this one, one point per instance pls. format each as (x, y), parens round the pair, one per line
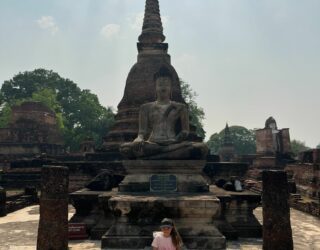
(140, 85)
(227, 151)
(227, 136)
(152, 30)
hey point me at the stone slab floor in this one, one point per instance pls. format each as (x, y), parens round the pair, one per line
(18, 231)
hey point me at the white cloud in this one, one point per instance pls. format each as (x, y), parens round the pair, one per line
(48, 23)
(110, 30)
(165, 21)
(136, 21)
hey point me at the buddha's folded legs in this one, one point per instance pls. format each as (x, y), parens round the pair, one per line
(193, 151)
(152, 151)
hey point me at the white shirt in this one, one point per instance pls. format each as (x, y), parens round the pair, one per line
(161, 242)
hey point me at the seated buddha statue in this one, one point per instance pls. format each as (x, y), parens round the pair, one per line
(163, 128)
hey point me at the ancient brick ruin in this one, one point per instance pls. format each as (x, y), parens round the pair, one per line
(110, 210)
(32, 131)
(227, 152)
(273, 145)
(305, 174)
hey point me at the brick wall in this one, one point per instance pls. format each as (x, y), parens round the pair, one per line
(264, 141)
(306, 177)
(312, 208)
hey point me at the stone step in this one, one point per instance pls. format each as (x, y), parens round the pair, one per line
(296, 197)
(21, 174)
(19, 184)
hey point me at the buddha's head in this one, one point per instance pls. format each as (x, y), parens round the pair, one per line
(163, 81)
(271, 123)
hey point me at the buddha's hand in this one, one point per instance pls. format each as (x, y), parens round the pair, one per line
(138, 144)
(138, 139)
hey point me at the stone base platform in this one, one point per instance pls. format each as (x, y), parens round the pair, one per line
(137, 216)
(237, 218)
(188, 173)
(234, 218)
(89, 211)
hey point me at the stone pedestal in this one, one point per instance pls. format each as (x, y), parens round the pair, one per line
(92, 211)
(237, 218)
(138, 215)
(138, 209)
(53, 224)
(187, 172)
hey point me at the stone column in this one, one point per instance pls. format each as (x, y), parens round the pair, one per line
(277, 233)
(53, 225)
(3, 199)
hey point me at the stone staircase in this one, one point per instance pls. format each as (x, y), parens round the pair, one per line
(19, 179)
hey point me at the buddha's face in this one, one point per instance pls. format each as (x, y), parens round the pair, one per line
(163, 87)
(273, 125)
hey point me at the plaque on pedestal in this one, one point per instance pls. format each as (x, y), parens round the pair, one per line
(163, 183)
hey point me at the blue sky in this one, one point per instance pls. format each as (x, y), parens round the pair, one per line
(246, 59)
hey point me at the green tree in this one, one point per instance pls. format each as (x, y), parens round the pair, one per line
(5, 114)
(318, 146)
(93, 120)
(79, 112)
(298, 146)
(243, 139)
(196, 113)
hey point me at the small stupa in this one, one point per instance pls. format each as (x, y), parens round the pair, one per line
(226, 152)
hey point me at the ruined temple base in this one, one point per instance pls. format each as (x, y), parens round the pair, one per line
(139, 215)
(153, 190)
(236, 217)
(265, 162)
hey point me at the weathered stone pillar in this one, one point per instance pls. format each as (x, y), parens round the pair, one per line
(3, 199)
(53, 225)
(277, 233)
